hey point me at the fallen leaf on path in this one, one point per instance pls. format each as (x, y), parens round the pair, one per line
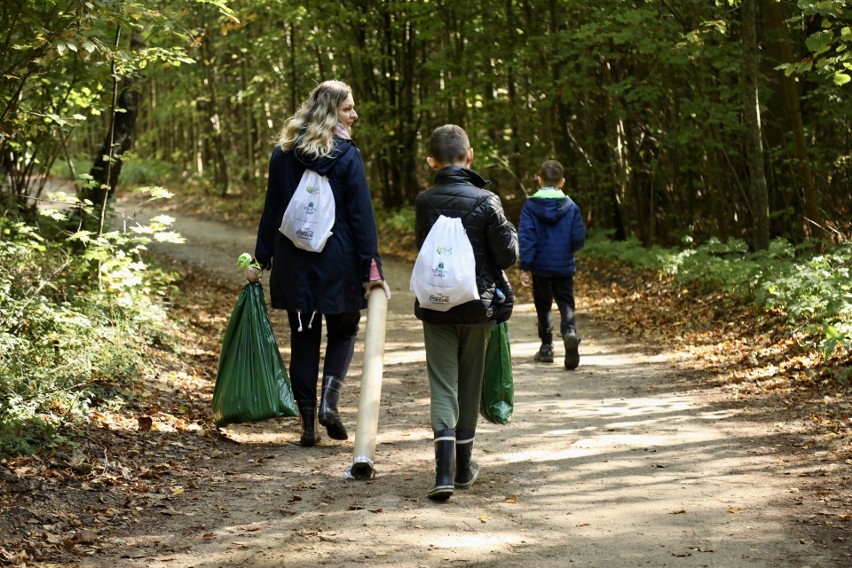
(678, 512)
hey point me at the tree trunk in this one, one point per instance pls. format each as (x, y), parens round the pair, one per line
(214, 119)
(754, 138)
(773, 17)
(616, 147)
(107, 163)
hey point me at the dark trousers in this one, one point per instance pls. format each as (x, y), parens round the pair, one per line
(305, 349)
(546, 289)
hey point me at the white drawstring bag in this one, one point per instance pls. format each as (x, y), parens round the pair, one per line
(310, 214)
(444, 274)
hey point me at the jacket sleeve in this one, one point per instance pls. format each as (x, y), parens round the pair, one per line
(359, 208)
(578, 231)
(526, 239)
(501, 236)
(266, 229)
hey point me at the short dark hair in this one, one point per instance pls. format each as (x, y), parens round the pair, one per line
(449, 144)
(551, 172)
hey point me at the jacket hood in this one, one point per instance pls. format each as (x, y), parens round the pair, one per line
(324, 164)
(549, 210)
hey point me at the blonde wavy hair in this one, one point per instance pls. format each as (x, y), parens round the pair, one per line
(311, 129)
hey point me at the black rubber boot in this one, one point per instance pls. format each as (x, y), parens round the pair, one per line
(466, 468)
(308, 415)
(328, 415)
(445, 465)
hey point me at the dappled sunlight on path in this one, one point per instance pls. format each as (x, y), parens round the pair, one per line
(626, 461)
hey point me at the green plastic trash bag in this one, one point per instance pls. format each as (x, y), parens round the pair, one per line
(251, 383)
(498, 391)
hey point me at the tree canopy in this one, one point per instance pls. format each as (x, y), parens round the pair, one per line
(644, 102)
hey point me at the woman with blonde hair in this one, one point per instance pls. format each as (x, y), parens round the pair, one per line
(335, 282)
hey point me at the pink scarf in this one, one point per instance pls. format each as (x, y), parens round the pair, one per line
(341, 132)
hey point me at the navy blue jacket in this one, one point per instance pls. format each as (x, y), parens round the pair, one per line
(329, 282)
(550, 232)
(458, 192)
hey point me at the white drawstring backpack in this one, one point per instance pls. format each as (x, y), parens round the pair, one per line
(444, 274)
(310, 214)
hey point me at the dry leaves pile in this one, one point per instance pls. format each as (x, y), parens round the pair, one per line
(59, 505)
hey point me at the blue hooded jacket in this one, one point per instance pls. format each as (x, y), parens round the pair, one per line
(550, 232)
(328, 282)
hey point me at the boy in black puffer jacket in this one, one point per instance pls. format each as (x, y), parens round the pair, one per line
(456, 339)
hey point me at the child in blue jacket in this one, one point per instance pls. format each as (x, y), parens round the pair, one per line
(550, 232)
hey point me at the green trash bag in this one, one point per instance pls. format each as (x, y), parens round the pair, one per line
(251, 383)
(498, 391)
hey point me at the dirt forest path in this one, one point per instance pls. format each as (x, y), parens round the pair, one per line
(621, 463)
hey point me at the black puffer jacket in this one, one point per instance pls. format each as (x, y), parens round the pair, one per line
(458, 193)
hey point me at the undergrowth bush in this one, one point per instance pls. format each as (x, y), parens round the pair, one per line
(135, 170)
(77, 312)
(811, 285)
(398, 221)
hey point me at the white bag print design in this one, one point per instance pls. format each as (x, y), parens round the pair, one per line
(309, 216)
(444, 274)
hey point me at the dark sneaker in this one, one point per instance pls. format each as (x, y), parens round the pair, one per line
(545, 353)
(572, 352)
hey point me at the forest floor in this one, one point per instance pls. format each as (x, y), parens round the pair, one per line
(646, 455)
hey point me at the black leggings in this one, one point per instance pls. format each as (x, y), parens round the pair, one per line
(305, 349)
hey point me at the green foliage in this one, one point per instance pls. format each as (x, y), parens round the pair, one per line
(396, 221)
(829, 47)
(813, 288)
(77, 313)
(145, 171)
(600, 245)
(57, 60)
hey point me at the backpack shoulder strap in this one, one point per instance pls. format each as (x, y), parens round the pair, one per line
(478, 202)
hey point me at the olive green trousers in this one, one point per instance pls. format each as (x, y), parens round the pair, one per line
(455, 362)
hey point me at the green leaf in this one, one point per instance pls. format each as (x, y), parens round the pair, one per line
(819, 42)
(841, 78)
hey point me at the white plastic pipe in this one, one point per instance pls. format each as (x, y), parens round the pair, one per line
(371, 385)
